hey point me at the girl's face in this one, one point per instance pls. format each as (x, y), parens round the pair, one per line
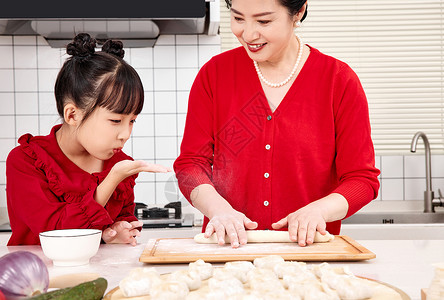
(263, 27)
(105, 133)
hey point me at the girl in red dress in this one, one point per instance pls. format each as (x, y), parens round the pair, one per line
(78, 176)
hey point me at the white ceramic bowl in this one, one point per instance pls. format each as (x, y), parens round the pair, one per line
(70, 247)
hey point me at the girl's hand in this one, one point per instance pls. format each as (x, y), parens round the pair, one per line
(126, 168)
(119, 172)
(122, 232)
(303, 224)
(233, 223)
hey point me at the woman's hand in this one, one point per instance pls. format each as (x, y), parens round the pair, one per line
(233, 224)
(303, 223)
(224, 219)
(122, 232)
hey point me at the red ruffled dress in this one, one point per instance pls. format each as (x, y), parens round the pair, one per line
(46, 191)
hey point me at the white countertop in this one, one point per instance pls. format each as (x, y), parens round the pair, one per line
(406, 264)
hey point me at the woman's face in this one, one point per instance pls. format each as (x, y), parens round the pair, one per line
(263, 27)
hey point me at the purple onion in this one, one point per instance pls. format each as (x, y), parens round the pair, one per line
(22, 274)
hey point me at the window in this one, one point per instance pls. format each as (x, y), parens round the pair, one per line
(396, 47)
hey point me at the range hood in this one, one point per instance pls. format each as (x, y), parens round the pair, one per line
(137, 23)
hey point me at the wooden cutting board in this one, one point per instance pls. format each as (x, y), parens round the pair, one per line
(185, 250)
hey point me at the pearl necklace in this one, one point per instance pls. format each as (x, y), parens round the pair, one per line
(276, 85)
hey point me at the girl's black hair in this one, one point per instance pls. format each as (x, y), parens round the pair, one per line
(91, 79)
(293, 6)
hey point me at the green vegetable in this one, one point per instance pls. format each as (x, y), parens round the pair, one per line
(91, 290)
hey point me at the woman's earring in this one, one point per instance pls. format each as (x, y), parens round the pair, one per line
(298, 24)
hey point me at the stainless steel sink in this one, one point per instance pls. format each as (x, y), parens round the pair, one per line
(395, 218)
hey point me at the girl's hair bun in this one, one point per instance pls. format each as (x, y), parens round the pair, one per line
(82, 46)
(114, 47)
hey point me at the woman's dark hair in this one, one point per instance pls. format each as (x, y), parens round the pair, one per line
(91, 79)
(293, 6)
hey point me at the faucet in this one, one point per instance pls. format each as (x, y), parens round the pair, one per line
(428, 194)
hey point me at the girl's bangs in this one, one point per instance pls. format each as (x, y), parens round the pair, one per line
(122, 97)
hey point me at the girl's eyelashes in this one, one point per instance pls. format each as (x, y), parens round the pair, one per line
(119, 121)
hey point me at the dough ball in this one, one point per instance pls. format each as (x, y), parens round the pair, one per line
(169, 290)
(267, 262)
(205, 270)
(192, 279)
(289, 268)
(139, 282)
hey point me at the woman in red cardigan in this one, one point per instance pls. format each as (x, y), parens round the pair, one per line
(77, 176)
(277, 133)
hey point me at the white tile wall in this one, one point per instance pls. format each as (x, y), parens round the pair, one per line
(26, 104)
(28, 68)
(7, 103)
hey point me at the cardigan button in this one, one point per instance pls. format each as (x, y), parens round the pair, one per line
(266, 175)
(266, 203)
(269, 117)
(267, 147)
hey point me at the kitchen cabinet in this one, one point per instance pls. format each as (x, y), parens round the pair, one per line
(406, 264)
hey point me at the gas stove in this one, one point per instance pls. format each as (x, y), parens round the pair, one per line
(163, 217)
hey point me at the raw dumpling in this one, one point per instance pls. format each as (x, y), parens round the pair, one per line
(297, 278)
(229, 286)
(268, 262)
(289, 268)
(261, 274)
(344, 282)
(241, 265)
(169, 290)
(237, 269)
(348, 286)
(205, 270)
(322, 268)
(264, 281)
(139, 282)
(191, 278)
